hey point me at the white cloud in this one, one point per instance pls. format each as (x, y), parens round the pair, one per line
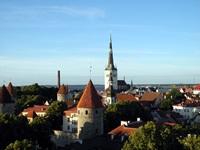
(21, 12)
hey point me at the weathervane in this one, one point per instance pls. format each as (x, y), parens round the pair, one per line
(90, 70)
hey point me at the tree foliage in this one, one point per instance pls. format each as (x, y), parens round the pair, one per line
(122, 110)
(176, 96)
(153, 136)
(166, 104)
(21, 145)
(29, 96)
(41, 131)
(13, 128)
(191, 142)
(55, 113)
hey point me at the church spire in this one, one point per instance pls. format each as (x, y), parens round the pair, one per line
(110, 57)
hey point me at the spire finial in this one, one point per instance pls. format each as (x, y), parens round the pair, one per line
(110, 41)
(90, 70)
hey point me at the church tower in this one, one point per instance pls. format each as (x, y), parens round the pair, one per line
(90, 113)
(109, 96)
(110, 70)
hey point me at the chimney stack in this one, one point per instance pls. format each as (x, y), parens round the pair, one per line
(58, 79)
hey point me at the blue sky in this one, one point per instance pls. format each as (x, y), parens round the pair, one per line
(154, 41)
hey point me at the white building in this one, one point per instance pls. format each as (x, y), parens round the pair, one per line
(83, 121)
(189, 110)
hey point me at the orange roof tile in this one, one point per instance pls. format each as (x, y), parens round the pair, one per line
(11, 90)
(70, 111)
(90, 98)
(37, 108)
(149, 96)
(126, 97)
(63, 89)
(121, 130)
(31, 114)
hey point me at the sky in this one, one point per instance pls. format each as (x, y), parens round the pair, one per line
(154, 41)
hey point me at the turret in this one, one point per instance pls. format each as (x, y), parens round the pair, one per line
(62, 94)
(90, 113)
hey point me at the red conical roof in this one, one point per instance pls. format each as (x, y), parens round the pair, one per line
(90, 98)
(63, 89)
(11, 90)
(5, 95)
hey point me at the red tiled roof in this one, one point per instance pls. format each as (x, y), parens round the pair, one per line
(121, 130)
(68, 112)
(63, 89)
(90, 98)
(197, 86)
(125, 97)
(5, 95)
(31, 114)
(37, 108)
(11, 90)
(149, 96)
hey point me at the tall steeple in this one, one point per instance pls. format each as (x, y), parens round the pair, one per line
(110, 57)
(110, 70)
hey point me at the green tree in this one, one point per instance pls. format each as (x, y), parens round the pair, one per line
(143, 138)
(191, 142)
(153, 136)
(122, 110)
(21, 145)
(13, 128)
(166, 104)
(55, 114)
(176, 96)
(41, 131)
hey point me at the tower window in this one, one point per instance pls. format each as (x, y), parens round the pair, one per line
(96, 111)
(86, 112)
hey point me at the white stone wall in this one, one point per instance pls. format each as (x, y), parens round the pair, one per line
(90, 122)
(7, 108)
(62, 97)
(61, 138)
(107, 76)
(188, 112)
(70, 123)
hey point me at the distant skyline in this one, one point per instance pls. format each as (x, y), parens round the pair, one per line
(154, 42)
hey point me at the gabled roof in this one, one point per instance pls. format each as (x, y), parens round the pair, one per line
(31, 114)
(37, 108)
(63, 89)
(122, 130)
(123, 97)
(11, 90)
(90, 98)
(149, 96)
(70, 111)
(121, 82)
(5, 95)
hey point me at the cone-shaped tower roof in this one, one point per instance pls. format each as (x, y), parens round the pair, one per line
(11, 90)
(90, 98)
(5, 95)
(63, 89)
